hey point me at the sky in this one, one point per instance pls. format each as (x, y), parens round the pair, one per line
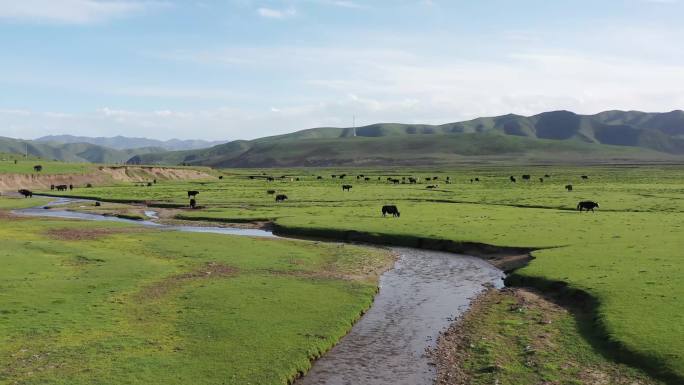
(241, 69)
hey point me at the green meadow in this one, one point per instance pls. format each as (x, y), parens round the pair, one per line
(107, 303)
(25, 166)
(627, 256)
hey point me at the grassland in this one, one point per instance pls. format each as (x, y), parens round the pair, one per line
(106, 303)
(628, 256)
(517, 336)
(23, 166)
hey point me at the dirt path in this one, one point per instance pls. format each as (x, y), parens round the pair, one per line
(419, 297)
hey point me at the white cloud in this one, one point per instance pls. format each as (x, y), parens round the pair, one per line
(272, 13)
(69, 11)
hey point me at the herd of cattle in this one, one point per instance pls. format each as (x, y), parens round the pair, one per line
(386, 209)
(392, 209)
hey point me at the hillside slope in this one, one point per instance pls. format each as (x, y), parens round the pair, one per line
(552, 136)
(71, 152)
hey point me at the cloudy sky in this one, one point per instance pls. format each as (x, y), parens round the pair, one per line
(240, 69)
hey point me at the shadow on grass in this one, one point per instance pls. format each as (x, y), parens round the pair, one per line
(584, 308)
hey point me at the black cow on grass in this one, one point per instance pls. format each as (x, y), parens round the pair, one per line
(281, 198)
(526, 177)
(26, 193)
(366, 179)
(270, 192)
(568, 187)
(587, 205)
(346, 187)
(52, 187)
(390, 209)
(61, 187)
(192, 193)
(513, 179)
(37, 168)
(585, 177)
(319, 177)
(193, 203)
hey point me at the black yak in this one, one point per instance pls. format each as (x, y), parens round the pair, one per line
(390, 209)
(587, 205)
(192, 193)
(281, 198)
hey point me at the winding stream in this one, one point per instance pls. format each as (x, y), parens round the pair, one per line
(419, 297)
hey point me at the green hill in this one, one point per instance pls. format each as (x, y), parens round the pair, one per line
(70, 152)
(550, 136)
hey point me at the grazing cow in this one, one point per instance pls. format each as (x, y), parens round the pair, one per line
(342, 176)
(568, 187)
(378, 178)
(585, 177)
(71, 187)
(220, 177)
(155, 181)
(333, 176)
(526, 177)
(547, 176)
(26, 193)
(413, 180)
(193, 203)
(98, 204)
(448, 182)
(395, 181)
(435, 177)
(541, 180)
(390, 209)
(149, 184)
(251, 177)
(346, 187)
(297, 179)
(281, 198)
(192, 193)
(89, 185)
(477, 179)
(366, 179)
(62, 187)
(513, 179)
(319, 177)
(270, 192)
(270, 179)
(358, 177)
(428, 178)
(471, 181)
(587, 205)
(37, 168)
(52, 187)
(433, 186)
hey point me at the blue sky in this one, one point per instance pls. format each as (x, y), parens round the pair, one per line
(240, 69)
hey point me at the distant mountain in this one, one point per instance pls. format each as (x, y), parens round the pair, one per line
(557, 136)
(71, 152)
(126, 143)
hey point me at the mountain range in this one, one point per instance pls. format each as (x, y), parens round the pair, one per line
(557, 136)
(550, 136)
(127, 143)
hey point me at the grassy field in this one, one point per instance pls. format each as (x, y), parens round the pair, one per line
(517, 336)
(627, 256)
(109, 303)
(24, 166)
